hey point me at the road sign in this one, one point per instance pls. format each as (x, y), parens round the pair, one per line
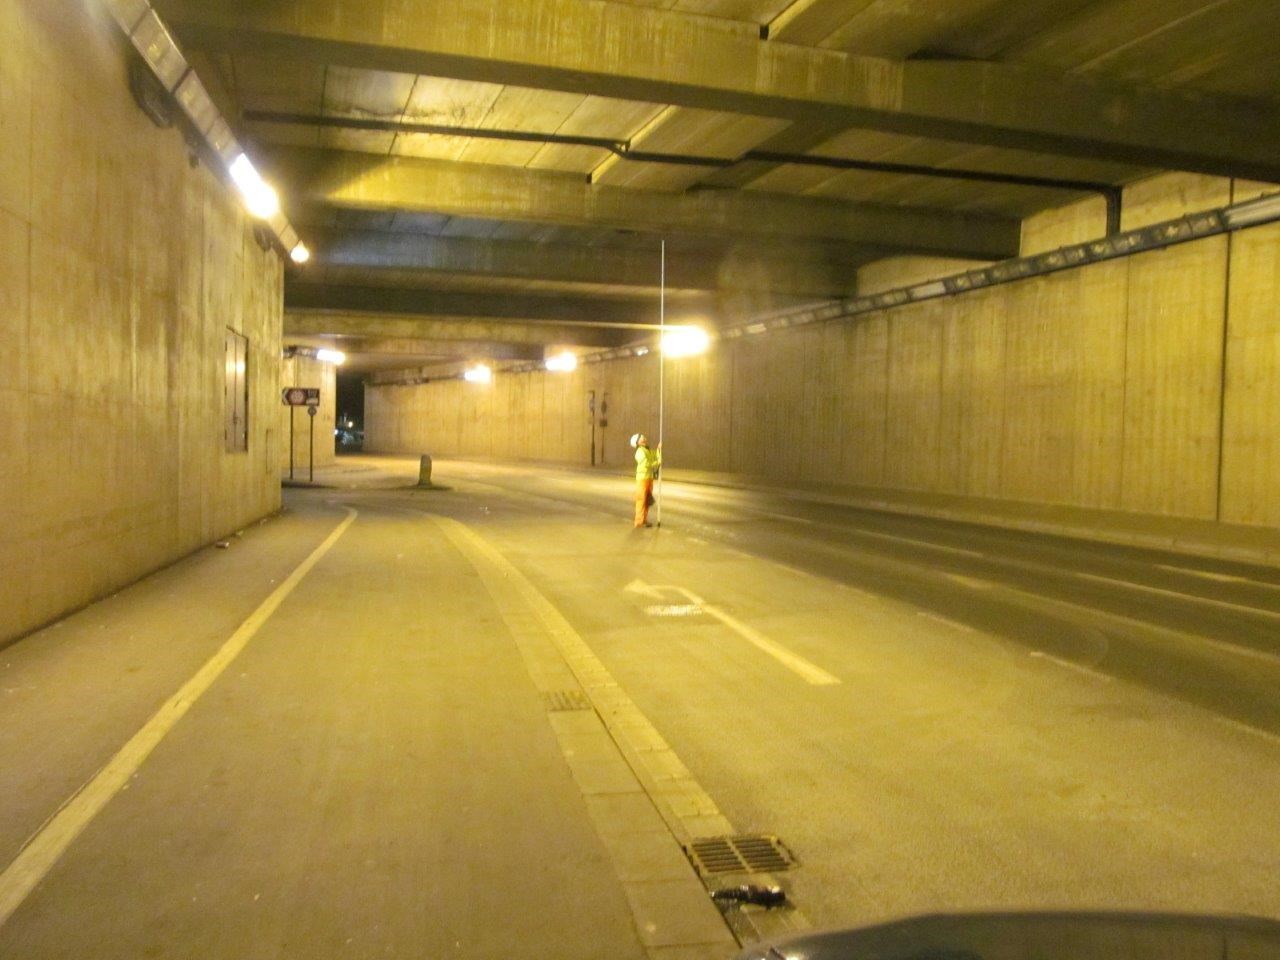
(300, 396)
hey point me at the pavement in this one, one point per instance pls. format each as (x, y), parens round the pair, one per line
(484, 720)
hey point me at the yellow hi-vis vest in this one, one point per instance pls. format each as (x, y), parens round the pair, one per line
(647, 463)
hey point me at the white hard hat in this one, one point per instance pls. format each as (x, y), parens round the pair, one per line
(636, 438)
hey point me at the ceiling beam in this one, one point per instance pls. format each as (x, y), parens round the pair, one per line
(373, 258)
(369, 182)
(597, 311)
(511, 259)
(453, 330)
(442, 349)
(661, 56)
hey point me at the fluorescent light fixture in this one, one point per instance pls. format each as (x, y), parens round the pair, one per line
(924, 291)
(641, 351)
(336, 357)
(562, 362)
(478, 374)
(259, 198)
(300, 254)
(685, 341)
(1253, 212)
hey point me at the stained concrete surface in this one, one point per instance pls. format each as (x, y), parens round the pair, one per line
(121, 269)
(1103, 387)
(377, 765)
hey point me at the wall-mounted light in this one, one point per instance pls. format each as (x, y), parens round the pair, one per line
(1262, 210)
(259, 198)
(685, 341)
(480, 373)
(336, 357)
(565, 362)
(300, 254)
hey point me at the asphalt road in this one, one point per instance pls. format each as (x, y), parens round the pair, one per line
(1022, 720)
(930, 715)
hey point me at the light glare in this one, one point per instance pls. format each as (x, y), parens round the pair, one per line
(478, 374)
(259, 198)
(685, 341)
(336, 357)
(300, 253)
(562, 362)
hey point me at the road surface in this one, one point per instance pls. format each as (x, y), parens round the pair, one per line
(480, 721)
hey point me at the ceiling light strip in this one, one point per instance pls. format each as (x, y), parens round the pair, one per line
(1196, 226)
(155, 44)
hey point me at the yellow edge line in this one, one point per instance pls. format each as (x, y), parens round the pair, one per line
(44, 849)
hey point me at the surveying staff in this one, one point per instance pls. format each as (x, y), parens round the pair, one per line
(647, 464)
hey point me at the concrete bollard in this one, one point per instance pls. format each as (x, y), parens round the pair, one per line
(424, 471)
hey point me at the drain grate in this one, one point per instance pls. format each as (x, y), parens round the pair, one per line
(565, 700)
(758, 853)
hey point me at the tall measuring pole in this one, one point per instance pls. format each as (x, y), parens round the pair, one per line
(662, 370)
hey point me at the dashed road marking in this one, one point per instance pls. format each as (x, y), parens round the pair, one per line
(1218, 577)
(1072, 665)
(1163, 592)
(959, 551)
(939, 618)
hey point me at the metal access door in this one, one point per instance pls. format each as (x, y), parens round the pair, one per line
(598, 415)
(236, 392)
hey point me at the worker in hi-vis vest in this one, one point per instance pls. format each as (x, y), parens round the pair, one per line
(647, 463)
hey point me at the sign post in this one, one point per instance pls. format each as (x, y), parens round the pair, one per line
(308, 397)
(311, 446)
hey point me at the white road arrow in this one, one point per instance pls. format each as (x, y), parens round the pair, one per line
(647, 589)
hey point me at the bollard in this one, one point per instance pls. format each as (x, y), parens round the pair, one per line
(424, 471)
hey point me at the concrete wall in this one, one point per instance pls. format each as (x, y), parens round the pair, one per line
(308, 372)
(1104, 387)
(120, 269)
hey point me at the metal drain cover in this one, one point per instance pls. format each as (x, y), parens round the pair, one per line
(565, 700)
(757, 853)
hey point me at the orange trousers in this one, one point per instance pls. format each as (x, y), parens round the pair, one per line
(644, 495)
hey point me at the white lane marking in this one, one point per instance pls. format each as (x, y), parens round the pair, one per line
(1071, 665)
(1195, 638)
(673, 610)
(919, 543)
(646, 590)
(51, 841)
(1246, 728)
(680, 799)
(973, 583)
(1219, 577)
(939, 618)
(1044, 600)
(1160, 591)
(806, 669)
(784, 517)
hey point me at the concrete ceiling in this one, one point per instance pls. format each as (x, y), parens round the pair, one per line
(515, 162)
